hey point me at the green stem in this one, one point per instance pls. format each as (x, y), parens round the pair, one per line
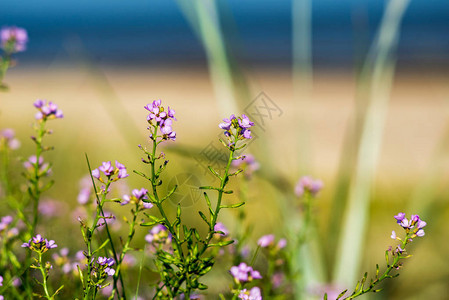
(385, 275)
(35, 190)
(44, 278)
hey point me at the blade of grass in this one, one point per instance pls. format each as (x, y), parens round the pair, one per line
(380, 64)
(309, 259)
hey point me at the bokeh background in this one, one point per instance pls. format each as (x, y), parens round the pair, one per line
(362, 91)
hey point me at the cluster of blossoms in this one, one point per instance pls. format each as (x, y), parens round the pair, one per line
(5, 221)
(267, 241)
(159, 117)
(39, 244)
(240, 125)
(244, 273)
(4, 227)
(309, 185)
(47, 110)
(252, 294)
(62, 260)
(104, 264)
(247, 163)
(109, 171)
(13, 39)
(7, 137)
(32, 162)
(138, 196)
(158, 235)
(414, 226)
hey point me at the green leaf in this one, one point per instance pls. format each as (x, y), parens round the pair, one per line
(341, 294)
(214, 172)
(141, 174)
(221, 244)
(208, 188)
(81, 276)
(233, 205)
(170, 193)
(207, 199)
(102, 246)
(203, 216)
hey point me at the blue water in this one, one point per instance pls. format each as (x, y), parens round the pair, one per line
(259, 32)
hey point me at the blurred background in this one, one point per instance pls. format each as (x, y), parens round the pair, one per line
(359, 92)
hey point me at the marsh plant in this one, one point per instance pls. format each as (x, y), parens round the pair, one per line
(176, 260)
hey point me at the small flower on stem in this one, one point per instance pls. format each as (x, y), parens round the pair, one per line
(266, 240)
(39, 244)
(308, 184)
(109, 171)
(8, 136)
(47, 110)
(247, 163)
(13, 39)
(137, 197)
(252, 294)
(43, 168)
(244, 273)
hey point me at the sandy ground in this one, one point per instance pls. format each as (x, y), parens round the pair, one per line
(416, 123)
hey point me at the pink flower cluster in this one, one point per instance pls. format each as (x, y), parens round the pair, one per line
(13, 39)
(162, 118)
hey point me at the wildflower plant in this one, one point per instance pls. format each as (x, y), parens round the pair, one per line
(413, 228)
(182, 267)
(39, 245)
(181, 256)
(12, 40)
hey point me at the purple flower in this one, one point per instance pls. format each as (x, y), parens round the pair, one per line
(247, 163)
(282, 243)
(140, 194)
(406, 223)
(1, 280)
(47, 110)
(96, 173)
(158, 234)
(105, 261)
(244, 273)
(51, 208)
(162, 118)
(253, 294)
(393, 235)
(13, 39)
(84, 195)
(247, 134)
(43, 168)
(307, 183)
(106, 168)
(220, 227)
(399, 217)
(147, 205)
(39, 244)
(105, 264)
(8, 136)
(244, 122)
(171, 113)
(266, 240)
(238, 127)
(226, 125)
